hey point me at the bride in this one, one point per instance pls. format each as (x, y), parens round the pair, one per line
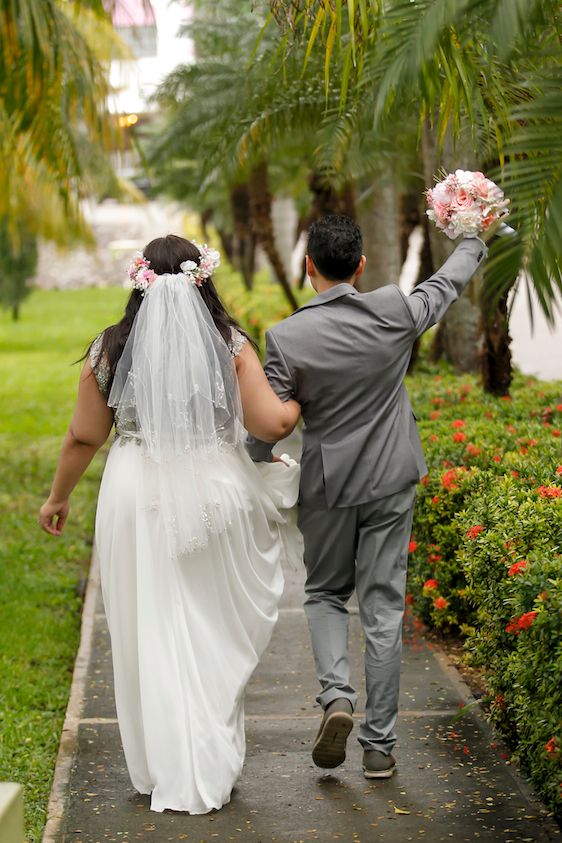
(189, 533)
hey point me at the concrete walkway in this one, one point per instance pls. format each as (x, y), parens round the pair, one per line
(454, 781)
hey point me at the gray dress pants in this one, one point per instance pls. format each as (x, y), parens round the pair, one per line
(365, 548)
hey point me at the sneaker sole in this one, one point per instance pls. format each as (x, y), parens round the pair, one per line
(379, 774)
(329, 749)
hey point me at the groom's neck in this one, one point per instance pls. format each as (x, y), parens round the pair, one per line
(322, 284)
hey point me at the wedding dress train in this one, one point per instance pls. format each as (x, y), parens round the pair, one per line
(187, 632)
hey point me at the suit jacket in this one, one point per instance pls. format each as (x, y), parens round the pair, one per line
(344, 356)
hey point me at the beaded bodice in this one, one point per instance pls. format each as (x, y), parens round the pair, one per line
(100, 366)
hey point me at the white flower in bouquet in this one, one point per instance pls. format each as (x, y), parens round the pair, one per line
(465, 203)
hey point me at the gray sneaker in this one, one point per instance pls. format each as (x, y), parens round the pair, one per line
(337, 723)
(377, 765)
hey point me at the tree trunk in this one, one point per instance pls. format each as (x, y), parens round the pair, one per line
(16, 311)
(205, 218)
(378, 216)
(327, 200)
(411, 215)
(227, 243)
(244, 241)
(262, 224)
(302, 226)
(496, 354)
(425, 271)
(459, 336)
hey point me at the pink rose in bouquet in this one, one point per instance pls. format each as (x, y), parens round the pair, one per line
(465, 203)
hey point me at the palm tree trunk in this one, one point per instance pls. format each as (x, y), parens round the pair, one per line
(227, 244)
(244, 245)
(424, 272)
(262, 226)
(496, 354)
(378, 216)
(327, 200)
(459, 335)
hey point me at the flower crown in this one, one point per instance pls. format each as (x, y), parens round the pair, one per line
(142, 277)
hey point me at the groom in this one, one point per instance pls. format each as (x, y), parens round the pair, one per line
(343, 356)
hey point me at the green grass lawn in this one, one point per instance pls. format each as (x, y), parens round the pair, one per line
(39, 605)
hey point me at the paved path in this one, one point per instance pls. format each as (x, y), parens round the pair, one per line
(454, 782)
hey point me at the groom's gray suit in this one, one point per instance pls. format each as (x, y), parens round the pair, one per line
(343, 356)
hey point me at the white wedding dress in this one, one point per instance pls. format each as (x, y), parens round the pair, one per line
(187, 630)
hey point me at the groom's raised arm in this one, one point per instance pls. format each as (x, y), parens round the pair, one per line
(429, 301)
(282, 382)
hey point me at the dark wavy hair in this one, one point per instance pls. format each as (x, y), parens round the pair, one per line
(165, 255)
(335, 245)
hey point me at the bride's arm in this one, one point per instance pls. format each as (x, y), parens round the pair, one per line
(89, 428)
(265, 416)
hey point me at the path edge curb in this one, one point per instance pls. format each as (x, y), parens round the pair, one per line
(60, 789)
(474, 707)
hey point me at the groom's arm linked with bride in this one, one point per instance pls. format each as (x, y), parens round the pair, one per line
(343, 356)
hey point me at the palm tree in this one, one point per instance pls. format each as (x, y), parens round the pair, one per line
(482, 71)
(53, 103)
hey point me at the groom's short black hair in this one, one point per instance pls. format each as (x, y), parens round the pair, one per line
(335, 245)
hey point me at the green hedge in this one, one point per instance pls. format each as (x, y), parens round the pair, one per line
(486, 551)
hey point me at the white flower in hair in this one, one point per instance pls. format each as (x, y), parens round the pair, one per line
(199, 273)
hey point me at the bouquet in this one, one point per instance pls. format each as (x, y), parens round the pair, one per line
(465, 203)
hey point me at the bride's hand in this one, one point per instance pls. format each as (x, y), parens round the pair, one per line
(50, 511)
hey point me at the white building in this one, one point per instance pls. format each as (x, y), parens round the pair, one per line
(151, 30)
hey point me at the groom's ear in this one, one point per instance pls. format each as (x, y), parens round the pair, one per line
(311, 269)
(361, 266)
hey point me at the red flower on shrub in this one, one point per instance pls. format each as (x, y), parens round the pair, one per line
(473, 450)
(518, 624)
(510, 428)
(499, 701)
(552, 747)
(440, 603)
(434, 415)
(433, 557)
(559, 408)
(475, 531)
(526, 620)
(559, 470)
(517, 568)
(556, 432)
(457, 423)
(497, 458)
(425, 480)
(435, 499)
(550, 491)
(412, 546)
(430, 585)
(449, 478)
(506, 397)
(409, 599)
(515, 474)
(459, 437)
(433, 438)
